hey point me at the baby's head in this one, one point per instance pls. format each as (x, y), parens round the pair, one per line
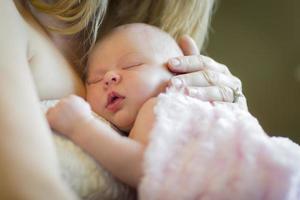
(126, 68)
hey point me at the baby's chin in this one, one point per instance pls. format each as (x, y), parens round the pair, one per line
(124, 127)
(125, 119)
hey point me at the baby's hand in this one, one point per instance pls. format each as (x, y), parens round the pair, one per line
(69, 114)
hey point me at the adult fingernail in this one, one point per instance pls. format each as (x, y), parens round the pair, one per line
(174, 62)
(177, 83)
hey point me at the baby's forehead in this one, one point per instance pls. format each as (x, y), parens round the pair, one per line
(153, 37)
(139, 28)
(145, 39)
(148, 32)
(140, 33)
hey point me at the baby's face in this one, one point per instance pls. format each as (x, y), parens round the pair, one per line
(124, 72)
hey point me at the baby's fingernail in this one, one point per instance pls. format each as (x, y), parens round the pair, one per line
(177, 83)
(174, 62)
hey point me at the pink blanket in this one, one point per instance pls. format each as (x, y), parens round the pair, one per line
(203, 152)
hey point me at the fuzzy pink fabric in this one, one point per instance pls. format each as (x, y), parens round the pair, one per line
(202, 152)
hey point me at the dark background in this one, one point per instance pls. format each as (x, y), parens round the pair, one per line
(259, 40)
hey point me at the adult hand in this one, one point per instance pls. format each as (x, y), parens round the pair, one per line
(203, 78)
(69, 114)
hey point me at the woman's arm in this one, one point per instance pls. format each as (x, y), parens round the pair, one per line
(29, 169)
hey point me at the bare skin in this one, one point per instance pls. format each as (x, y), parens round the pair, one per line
(35, 65)
(126, 64)
(129, 66)
(27, 55)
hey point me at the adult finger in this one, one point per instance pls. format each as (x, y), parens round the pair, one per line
(241, 103)
(187, 64)
(206, 78)
(212, 93)
(188, 45)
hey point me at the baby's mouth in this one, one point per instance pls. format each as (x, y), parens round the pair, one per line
(114, 101)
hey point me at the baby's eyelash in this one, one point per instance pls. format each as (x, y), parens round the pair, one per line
(135, 65)
(94, 81)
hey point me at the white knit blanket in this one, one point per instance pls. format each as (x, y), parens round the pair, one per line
(83, 174)
(199, 151)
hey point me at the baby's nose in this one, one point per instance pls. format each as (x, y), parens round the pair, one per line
(111, 78)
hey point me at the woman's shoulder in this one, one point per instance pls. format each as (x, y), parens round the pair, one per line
(11, 8)
(13, 36)
(23, 40)
(12, 23)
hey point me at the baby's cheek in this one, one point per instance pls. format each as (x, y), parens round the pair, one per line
(95, 101)
(152, 88)
(124, 119)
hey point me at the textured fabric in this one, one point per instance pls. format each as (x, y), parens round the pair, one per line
(198, 151)
(86, 177)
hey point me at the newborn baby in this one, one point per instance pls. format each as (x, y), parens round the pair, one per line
(215, 151)
(126, 71)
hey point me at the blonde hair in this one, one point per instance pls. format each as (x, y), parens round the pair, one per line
(84, 17)
(177, 17)
(93, 18)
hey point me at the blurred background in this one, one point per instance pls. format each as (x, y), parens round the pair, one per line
(259, 40)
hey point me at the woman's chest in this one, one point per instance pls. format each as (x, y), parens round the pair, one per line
(53, 74)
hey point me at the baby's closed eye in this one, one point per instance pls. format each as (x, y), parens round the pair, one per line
(132, 65)
(94, 80)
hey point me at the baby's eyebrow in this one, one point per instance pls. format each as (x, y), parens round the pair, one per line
(133, 61)
(131, 56)
(127, 55)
